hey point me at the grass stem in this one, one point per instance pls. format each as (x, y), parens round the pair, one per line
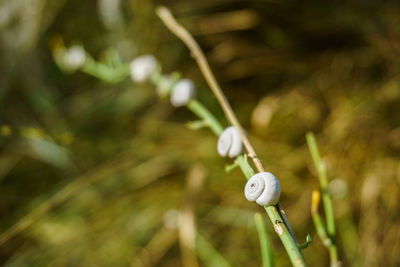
(326, 233)
(267, 253)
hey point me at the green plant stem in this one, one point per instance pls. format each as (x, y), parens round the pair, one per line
(266, 247)
(321, 169)
(284, 234)
(285, 220)
(321, 229)
(244, 165)
(105, 72)
(333, 254)
(202, 112)
(292, 249)
(329, 230)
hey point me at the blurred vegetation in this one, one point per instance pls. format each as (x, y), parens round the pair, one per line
(96, 174)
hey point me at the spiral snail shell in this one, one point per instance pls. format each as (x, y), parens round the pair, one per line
(182, 93)
(142, 67)
(263, 188)
(229, 143)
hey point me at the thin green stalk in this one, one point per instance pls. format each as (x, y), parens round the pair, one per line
(295, 255)
(267, 253)
(285, 220)
(202, 112)
(244, 165)
(105, 72)
(318, 222)
(333, 254)
(326, 233)
(321, 169)
(321, 230)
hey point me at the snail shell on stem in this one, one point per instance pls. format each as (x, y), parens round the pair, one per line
(230, 143)
(75, 57)
(182, 93)
(142, 67)
(263, 188)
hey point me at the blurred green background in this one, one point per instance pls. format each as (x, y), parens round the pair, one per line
(96, 174)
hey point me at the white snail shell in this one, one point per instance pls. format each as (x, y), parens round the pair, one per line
(182, 93)
(263, 188)
(142, 67)
(75, 57)
(230, 143)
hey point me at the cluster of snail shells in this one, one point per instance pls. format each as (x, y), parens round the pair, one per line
(143, 67)
(263, 188)
(230, 143)
(182, 92)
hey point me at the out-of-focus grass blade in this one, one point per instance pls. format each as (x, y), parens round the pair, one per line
(208, 254)
(50, 152)
(226, 215)
(266, 248)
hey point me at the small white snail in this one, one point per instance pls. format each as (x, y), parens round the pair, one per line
(75, 57)
(263, 188)
(230, 143)
(142, 67)
(182, 93)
